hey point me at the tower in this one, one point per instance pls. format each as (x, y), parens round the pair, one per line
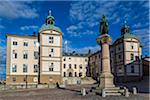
(50, 38)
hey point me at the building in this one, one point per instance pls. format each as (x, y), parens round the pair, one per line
(95, 65)
(126, 54)
(146, 66)
(22, 59)
(39, 59)
(74, 67)
(125, 58)
(50, 39)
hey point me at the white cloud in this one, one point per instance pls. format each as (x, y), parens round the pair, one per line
(84, 50)
(30, 27)
(2, 27)
(88, 14)
(17, 9)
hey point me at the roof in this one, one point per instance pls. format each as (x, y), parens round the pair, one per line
(23, 36)
(125, 36)
(50, 17)
(50, 27)
(75, 54)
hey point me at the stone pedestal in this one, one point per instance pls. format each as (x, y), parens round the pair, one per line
(106, 77)
(107, 86)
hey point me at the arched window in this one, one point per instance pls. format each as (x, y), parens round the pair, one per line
(70, 74)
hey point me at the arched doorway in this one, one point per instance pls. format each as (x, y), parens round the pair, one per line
(70, 74)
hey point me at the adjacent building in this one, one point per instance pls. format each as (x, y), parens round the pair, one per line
(22, 59)
(125, 58)
(74, 67)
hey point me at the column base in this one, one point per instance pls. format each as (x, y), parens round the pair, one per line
(106, 80)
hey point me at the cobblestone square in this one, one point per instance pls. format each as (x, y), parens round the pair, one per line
(69, 93)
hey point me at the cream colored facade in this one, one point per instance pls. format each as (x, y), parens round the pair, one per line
(48, 66)
(125, 58)
(74, 68)
(22, 51)
(50, 56)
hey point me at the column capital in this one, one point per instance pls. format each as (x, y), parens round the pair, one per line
(104, 38)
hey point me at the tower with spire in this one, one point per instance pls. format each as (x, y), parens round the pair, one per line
(50, 38)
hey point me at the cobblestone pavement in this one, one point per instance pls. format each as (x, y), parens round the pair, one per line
(69, 93)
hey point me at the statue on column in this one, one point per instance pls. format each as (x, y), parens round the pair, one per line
(104, 25)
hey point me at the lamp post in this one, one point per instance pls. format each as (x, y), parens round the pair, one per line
(26, 78)
(38, 46)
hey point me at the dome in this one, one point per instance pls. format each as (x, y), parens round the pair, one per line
(50, 24)
(49, 27)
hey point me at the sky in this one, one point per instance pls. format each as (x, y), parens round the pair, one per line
(78, 20)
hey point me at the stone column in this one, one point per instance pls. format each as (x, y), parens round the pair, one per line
(106, 77)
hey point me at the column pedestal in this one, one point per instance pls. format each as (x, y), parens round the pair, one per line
(106, 86)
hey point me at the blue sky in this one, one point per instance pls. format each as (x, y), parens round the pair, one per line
(79, 21)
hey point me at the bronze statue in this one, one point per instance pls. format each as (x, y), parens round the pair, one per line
(104, 25)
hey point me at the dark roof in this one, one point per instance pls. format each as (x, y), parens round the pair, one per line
(75, 54)
(99, 51)
(24, 36)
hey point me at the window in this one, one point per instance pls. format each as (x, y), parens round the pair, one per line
(64, 74)
(15, 43)
(95, 57)
(64, 59)
(35, 68)
(51, 52)
(25, 55)
(14, 54)
(119, 48)
(132, 47)
(80, 74)
(75, 66)
(14, 68)
(35, 44)
(25, 68)
(75, 74)
(14, 79)
(64, 65)
(85, 60)
(69, 65)
(80, 66)
(51, 39)
(35, 55)
(132, 56)
(119, 56)
(51, 67)
(70, 74)
(25, 44)
(132, 69)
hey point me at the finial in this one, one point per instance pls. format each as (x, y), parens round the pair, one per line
(50, 12)
(125, 22)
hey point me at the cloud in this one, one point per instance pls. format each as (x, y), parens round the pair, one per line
(17, 9)
(2, 27)
(84, 50)
(30, 27)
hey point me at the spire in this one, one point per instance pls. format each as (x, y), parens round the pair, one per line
(125, 28)
(49, 12)
(50, 18)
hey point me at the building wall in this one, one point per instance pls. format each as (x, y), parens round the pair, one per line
(120, 60)
(48, 57)
(19, 61)
(70, 63)
(95, 64)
